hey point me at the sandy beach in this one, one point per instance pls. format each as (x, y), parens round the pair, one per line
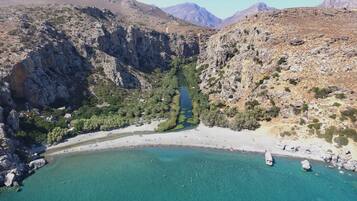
(202, 136)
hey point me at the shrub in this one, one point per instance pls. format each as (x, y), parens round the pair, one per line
(287, 133)
(302, 122)
(351, 113)
(316, 125)
(56, 135)
(350, 133)
(251, 104)
(336, 104)
(333, 116)
(246, 120)
(293, 81)
(340, 96)
(341, 140)
(273, 111)
(305, 107)
(322, 93)
(329, 133)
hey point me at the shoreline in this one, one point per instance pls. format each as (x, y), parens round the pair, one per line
(257, 141)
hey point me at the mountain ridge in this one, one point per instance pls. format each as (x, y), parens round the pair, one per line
(194, 14)
(240, 15)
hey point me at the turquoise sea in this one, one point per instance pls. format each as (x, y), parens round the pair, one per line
(182, 174)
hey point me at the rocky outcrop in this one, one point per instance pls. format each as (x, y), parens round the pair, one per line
(9, 179)
(38, 163)
(306, 165)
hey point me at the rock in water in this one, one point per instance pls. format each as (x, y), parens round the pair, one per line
(9, 179)
(36, 164)
(306, 165)
(269, 158)
(351, 165)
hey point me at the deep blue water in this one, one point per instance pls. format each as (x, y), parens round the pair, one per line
(173, 174)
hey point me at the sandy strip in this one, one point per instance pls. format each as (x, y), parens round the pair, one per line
(202, 136)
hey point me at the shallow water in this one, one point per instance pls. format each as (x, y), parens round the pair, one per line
(169, 174)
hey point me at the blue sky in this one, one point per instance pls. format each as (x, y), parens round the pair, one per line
(226, 8)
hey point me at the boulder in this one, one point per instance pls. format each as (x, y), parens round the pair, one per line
(306, 165)
(350, 165)
(38, 163)
(67, 116)
(296, 42)
(13, 120)
(327, 157)
(9, 179)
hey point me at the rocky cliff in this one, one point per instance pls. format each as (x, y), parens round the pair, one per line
(303, 61)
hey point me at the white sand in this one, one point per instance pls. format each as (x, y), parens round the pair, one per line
(202, 136)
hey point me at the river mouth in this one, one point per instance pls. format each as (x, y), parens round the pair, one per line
(172, 173)
(186, 115)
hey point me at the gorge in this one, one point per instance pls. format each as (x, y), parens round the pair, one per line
(80, 68)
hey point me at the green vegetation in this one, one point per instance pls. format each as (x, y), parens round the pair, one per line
(322, 93)
(329, 133)
(341, 140)
(315, 126)
(57, 135)
(341, 96)
(340, 136)
(336, 104)
(288, 133)
(350, 113)
(305, 107)
(172, 121)
(34, 128)
(110, 108)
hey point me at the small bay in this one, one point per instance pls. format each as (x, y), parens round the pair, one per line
(163, 174)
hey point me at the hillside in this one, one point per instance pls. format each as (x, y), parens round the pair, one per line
(301, 63)
(195, 14)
